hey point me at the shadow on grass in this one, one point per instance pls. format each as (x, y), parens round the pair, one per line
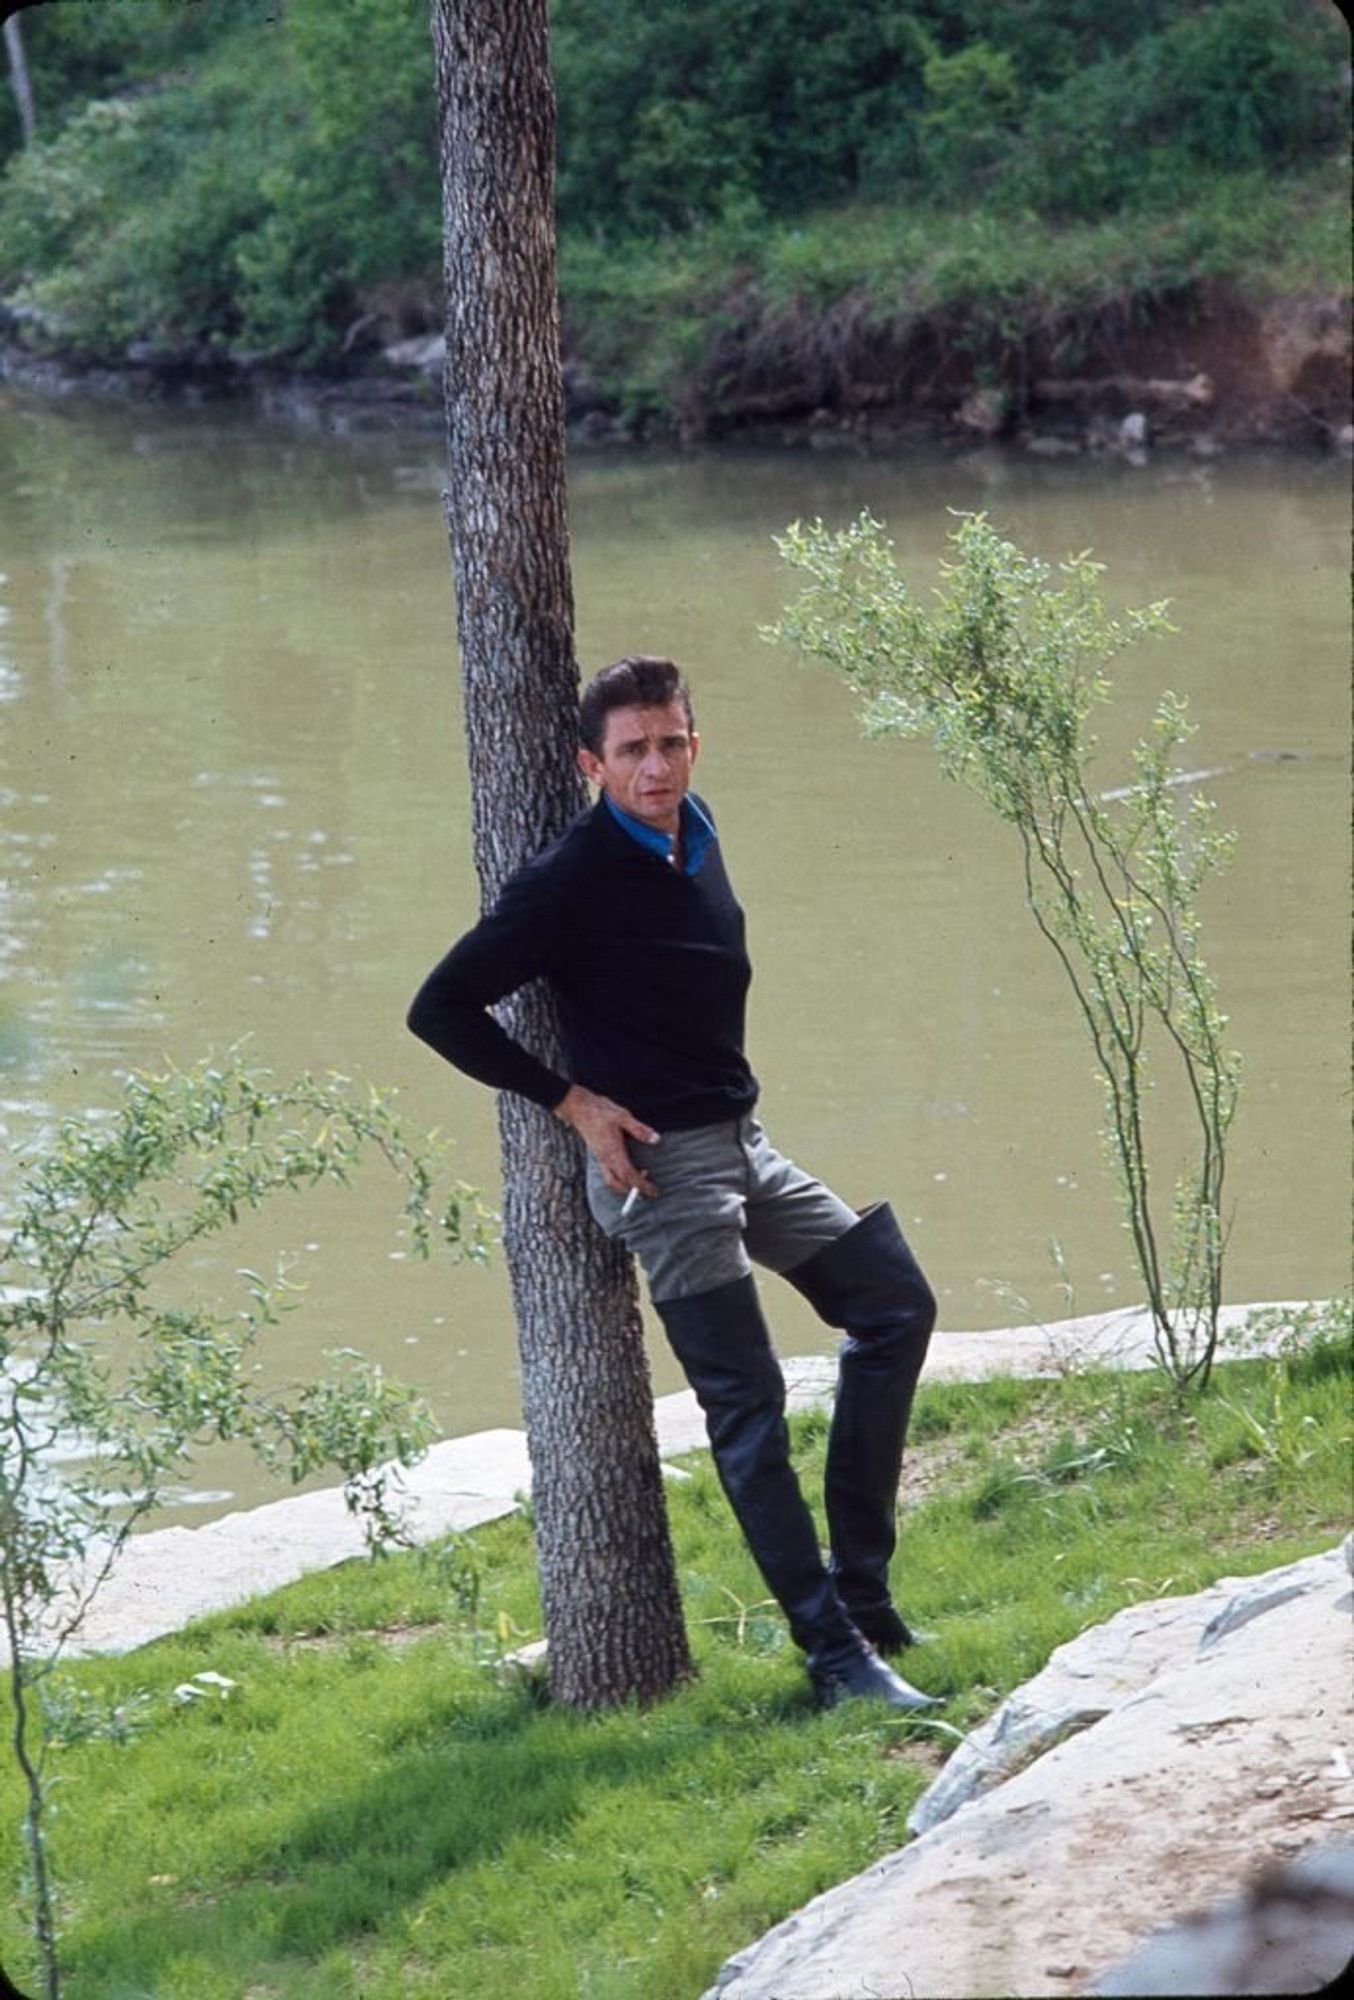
(453, 1792)
(8, 1990)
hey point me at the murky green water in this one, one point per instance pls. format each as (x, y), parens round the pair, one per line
(234, 804)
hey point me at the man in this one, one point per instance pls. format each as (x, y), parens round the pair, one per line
(631, 919)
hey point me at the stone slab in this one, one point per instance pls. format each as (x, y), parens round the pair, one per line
(1118, 1339)
(1235, 1752)
(1099, 1670)
(169, 1576)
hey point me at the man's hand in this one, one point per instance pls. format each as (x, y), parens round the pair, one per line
(604, 1128)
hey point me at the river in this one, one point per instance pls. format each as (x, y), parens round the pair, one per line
(235, 803)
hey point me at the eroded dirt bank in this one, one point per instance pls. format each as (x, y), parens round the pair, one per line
(1203, 370)
(1206, 365)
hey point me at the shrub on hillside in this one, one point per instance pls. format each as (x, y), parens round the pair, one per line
(247, 204)
(257, 178)
(1244, 84)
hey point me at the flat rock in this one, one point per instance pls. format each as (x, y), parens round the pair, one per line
(1119, 1339)
(1224, 1745)
(169, 1576)
(1099, 1670)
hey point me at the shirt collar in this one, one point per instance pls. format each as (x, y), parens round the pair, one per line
(698, 833)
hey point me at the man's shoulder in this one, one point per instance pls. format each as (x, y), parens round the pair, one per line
(577, 849)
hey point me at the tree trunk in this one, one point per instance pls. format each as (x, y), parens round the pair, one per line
(612, 1610)
(18, 76)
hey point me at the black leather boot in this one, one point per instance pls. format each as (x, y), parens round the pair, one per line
(868, 1283)
(721, 1340)
(856, 1673)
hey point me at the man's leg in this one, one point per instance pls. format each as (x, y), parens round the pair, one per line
(868, 1284)
(691, 1233)
(859, 1276)
(721, 1340)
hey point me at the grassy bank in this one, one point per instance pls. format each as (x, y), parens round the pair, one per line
(373, 1808)
(883, 313)
(679, 327)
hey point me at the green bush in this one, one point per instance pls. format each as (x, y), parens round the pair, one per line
(1230, 87)
(1004, 675)
(265, 178)
(1049, 42)
(126, 224)
(670, 108)
(96, 47)
(351, 196)
(973, 99)
(249, 203)
(669, 111)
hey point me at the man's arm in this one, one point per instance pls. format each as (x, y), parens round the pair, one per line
(450, 1013)
(510, 946)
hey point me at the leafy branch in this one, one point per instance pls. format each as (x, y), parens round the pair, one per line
(1003, 675)
(95, 1356)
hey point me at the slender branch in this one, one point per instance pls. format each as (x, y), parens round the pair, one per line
(19, 78)
(44, 1913)
(1134, 1180)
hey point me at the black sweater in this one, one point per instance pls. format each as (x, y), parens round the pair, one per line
(648, 965)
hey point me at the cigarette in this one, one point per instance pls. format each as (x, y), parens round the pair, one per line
(629, 1202)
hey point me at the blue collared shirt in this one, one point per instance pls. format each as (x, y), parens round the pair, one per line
(698, 834)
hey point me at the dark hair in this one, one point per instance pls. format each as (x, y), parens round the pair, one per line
(640, 680)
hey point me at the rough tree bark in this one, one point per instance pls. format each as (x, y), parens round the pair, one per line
(612, 1610)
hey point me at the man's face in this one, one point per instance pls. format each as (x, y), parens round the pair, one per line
(645, 763)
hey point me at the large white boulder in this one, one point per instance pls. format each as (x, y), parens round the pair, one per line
(1212, 1735)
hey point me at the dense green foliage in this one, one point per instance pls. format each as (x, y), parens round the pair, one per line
(256, 177)
(374, 1807)
(245, 193)
(673, 111)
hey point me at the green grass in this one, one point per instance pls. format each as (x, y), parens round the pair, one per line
(373, 1811)
(1267, 234)
(648, 316)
